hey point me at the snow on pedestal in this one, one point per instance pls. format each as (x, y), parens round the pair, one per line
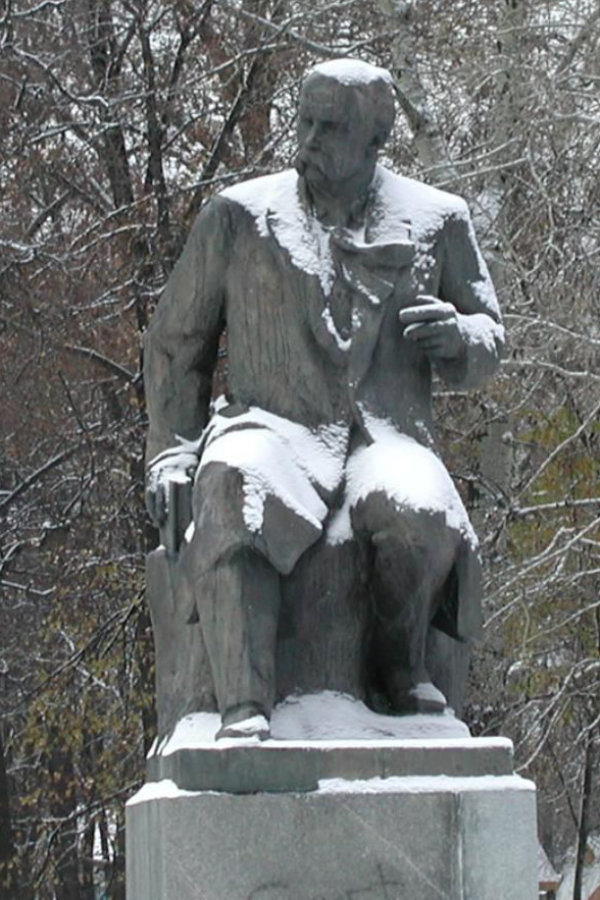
(412, 830)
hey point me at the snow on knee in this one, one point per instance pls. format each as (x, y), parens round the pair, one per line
(411, 475)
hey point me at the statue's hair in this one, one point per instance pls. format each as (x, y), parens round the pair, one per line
(375, 87)
(381, 101)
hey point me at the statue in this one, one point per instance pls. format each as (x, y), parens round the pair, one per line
(341, 286)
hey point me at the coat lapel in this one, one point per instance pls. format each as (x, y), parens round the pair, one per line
(299, 238)
(386, 245)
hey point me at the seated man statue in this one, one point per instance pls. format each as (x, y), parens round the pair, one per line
(341, 286)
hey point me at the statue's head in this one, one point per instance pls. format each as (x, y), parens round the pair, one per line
(345, 116)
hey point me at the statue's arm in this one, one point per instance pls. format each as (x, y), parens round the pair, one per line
(180, 354)
(180, 346)
(466, 283)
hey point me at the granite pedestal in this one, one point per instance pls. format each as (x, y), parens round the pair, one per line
(333, 820)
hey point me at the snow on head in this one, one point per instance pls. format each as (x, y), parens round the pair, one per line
(351, 72)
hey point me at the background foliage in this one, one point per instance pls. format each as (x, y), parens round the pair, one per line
(118, 118)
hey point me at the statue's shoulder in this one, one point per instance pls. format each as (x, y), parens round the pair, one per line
(260, 195)
(412, 197)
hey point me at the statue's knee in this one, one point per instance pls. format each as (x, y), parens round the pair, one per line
(419, 542)
(218, 488)
(378, 513)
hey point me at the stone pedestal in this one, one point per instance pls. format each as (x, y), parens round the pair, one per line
(342, 820)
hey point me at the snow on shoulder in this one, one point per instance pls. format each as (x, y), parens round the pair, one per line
(426, 209)
(274, 202)
(351, 71)
(405, 199)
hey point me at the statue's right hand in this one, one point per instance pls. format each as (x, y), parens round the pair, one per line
(156, 503)
(177, 463)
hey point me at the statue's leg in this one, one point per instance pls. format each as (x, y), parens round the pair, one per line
(238, 560)
(448, 660)
(238, 606)
(412, 553)
(236, 597)
(415, 531)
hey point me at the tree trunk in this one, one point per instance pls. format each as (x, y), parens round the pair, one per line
(87, 891)
(6, 836)
(63, 804)
(584, 815)
(118, 882)
(412, 94)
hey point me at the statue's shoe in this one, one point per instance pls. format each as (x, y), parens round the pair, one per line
(422, 697)
(427, 698)
(253, 726)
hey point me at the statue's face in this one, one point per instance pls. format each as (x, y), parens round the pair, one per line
(335, 133)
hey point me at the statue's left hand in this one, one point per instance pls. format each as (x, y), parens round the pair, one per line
(177, 463)
(432, 325)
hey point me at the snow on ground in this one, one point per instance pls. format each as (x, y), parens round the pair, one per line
(591, 872)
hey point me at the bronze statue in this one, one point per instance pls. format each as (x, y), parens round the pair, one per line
(341, 285)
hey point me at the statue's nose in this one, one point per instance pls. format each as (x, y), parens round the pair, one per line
(313, 138)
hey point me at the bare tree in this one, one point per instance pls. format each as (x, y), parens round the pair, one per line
(118, 119)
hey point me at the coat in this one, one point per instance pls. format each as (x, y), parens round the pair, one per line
(303, 345)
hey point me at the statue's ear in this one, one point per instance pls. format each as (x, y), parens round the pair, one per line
(381, 132)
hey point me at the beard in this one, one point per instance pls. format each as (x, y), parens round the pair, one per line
(314, 172)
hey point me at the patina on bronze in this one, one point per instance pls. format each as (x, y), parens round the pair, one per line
(328, 548)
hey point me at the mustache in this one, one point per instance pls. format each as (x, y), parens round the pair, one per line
(305, 159)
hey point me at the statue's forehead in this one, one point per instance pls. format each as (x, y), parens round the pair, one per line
(327, 97)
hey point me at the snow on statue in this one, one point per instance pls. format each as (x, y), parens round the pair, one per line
(341, 286)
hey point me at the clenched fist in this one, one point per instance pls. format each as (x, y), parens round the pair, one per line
(433, 326)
